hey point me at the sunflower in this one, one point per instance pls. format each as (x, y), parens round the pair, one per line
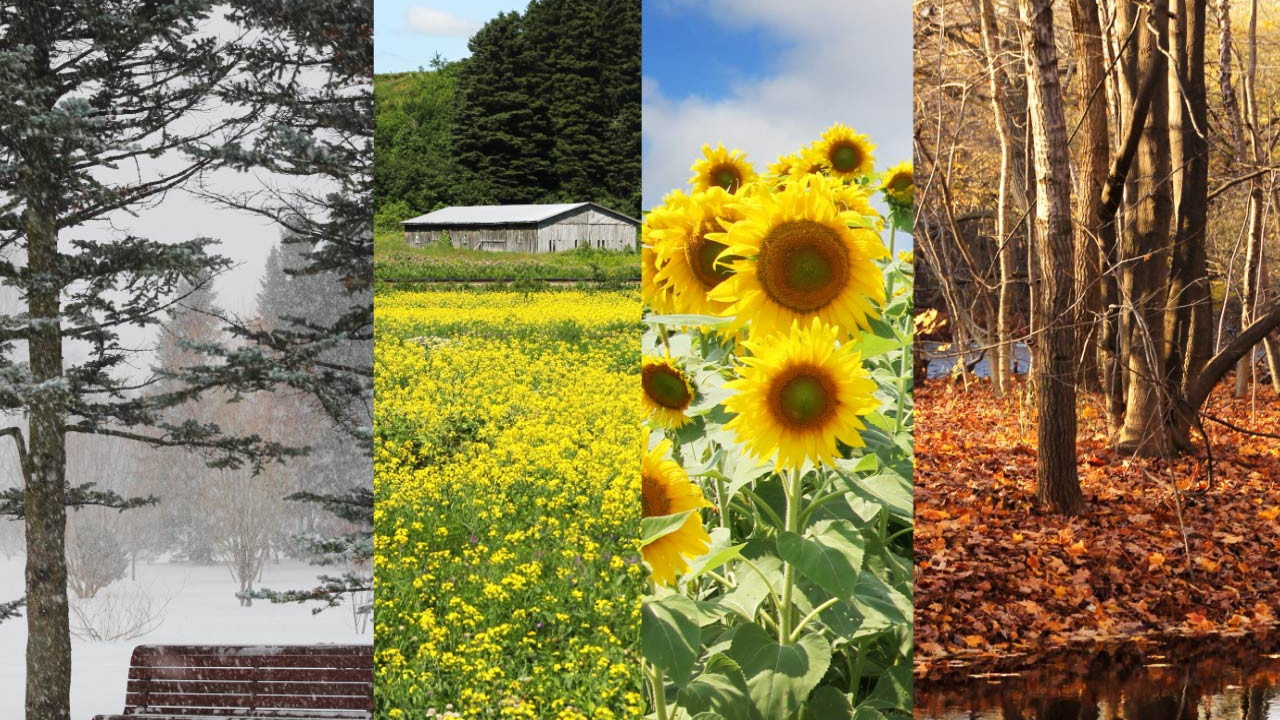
(727, 169)
(667, 391)
(657, 293)
(798, 392)
(785, 167)
(794, 257)
(665, 490)
(849, 196)
(844, 153)
(687, 253)
(899, 184)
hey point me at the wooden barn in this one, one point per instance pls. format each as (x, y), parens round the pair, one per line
(525, 228)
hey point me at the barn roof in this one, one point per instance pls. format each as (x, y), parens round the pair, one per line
(506, 214)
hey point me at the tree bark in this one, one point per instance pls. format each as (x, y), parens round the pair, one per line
(48, 660)
(1054, 367)
(1144, 288)
(1189, 313)
(996, 80)
(1092, 159)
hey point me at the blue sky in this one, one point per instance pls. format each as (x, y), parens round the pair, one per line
(768, 76)
(689, 52)
(408, 33)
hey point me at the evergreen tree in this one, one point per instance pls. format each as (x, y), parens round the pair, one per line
(90, 86)
(317, 331)
(500, 126)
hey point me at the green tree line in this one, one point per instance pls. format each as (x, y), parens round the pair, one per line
(546, 109)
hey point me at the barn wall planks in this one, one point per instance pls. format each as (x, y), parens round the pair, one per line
(584, 227)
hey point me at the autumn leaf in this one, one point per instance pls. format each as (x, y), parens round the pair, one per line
(1155, 560)
(1271, 514)
(1076, 549)
(974, 641)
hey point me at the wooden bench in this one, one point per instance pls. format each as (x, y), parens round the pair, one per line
(315, 682)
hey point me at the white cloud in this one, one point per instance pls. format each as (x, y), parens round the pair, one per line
(438, 23)
(847, 62)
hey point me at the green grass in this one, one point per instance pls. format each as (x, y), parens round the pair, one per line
(395, 261)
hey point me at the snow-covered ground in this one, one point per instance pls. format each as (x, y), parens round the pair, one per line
(202, 609)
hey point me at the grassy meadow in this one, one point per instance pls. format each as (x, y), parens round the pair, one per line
(396, 261)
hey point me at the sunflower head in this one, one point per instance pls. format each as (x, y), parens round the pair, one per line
(667, 391)
(665, 490)
(899, 184)
(851, 197)
(722, 168)
(797, 259)
(785, 167)
(656, 292)
(844, 153)
(797, 393)
(691, 247)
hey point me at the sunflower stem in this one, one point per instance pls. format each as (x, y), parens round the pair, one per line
(788, 573)
(656, 679)
(795, 634)
(666, 341)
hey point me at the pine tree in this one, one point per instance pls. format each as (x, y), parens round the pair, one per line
(316, 336)
(89, 87)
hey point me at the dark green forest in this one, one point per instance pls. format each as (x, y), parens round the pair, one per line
(546, 109)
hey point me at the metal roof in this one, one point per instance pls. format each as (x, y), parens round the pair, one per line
(504, 214)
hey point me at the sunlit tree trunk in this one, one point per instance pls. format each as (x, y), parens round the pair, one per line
(1145, 273)
(1092, 160)
(1054, 370)
(996, 81)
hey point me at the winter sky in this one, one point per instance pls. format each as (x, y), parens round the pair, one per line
(768, 77)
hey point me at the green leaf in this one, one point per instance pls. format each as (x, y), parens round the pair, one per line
(779, 677)
(713, 560)
(652, 528)
(828, 703)
(670, 636)
(830, 554)
(721, 688)
(893, 689)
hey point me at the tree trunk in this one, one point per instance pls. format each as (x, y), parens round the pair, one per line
(1093, 156)
(48, 660)
(996, 80)
(1146, 269)
(48, 630)
(1189, 313)
(1054, 366)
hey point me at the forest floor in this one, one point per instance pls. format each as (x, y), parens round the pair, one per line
(395, 261)
(999, 577)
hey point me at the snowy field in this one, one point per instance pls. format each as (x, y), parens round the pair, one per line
(202, 609)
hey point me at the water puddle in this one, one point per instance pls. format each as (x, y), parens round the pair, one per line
(1181, 679)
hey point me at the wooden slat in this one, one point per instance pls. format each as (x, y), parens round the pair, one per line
(260, 702)
(240, 714)
(289, 661)
(265, 687)
(320, 675)
(152, 650)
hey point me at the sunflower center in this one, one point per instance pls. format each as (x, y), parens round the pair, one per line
(901, 182)
(803, 397)
(653, 499)
(726, 176)
(846, 158)
(803, 265)
(665, 386)
(701, 254)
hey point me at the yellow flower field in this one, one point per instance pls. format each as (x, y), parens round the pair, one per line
(506, 480)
